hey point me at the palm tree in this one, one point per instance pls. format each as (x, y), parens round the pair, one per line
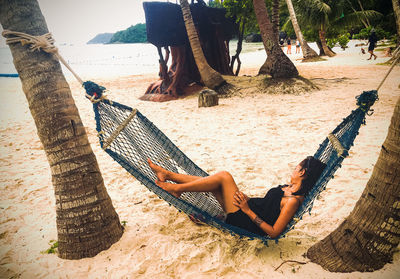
(308, 52)
(211, 78)
(396, 9)
(86, 219)
(319, 13)
(275, 18)
(331, 14)
(278, 65)
(369, 236)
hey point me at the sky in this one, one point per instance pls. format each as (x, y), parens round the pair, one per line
(78, 21)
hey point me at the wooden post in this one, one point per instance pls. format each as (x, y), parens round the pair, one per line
(208, 98)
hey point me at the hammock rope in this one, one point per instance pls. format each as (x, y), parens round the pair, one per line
(130, 138)
(140, 139)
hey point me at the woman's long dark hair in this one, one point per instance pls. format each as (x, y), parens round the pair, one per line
(313, 169)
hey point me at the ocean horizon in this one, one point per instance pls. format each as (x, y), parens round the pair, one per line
(109, 60)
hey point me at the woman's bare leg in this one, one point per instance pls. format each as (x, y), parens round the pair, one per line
(221, 184)
(163, 174)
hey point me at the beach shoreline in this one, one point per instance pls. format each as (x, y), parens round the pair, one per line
(259, 138)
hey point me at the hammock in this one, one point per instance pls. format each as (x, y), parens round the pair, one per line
(130, 138)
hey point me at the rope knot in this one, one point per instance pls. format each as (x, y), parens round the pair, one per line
(366, 100)
(43, 42)
(94, 92)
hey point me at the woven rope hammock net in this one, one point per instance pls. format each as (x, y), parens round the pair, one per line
(130, 138)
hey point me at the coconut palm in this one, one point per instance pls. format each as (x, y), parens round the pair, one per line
(396, 9)
(327, 14)
(275, 18)
(308, 52)
(86, 219)
(369, 236)
(319, 13)
(211, 78)
(278, 65)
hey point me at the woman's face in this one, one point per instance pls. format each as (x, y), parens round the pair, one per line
(298, 173)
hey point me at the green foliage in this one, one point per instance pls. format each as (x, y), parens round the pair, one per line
(53, 247)
(133, 34)
(243, 12)
(343, 40)
(215, 4)
(331, 42)
(365, 32)
(310, 34)
(124, 223)
(337, 17)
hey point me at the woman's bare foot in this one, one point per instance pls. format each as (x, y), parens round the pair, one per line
(161, 173)
(169, 187)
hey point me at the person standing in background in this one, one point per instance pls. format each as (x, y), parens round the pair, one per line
(372, 40)
(289, 46)
(281, 43)
(297, 46)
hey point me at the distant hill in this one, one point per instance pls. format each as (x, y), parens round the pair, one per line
(133, 34)
(102, 38)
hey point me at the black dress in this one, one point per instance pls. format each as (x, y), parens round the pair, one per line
(267, 208)
(372, 42)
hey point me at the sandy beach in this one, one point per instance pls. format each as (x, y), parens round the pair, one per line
(259, 138)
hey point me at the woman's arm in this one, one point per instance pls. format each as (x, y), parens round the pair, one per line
(284, 218)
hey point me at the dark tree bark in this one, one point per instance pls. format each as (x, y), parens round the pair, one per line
(396, 10)
(178, 79)
(86, 219)
(321, 50)
(242, 25)
(325, 47)
(278, 65)
(211, 78)
(275, 19)
(183, 76)
(369, 236)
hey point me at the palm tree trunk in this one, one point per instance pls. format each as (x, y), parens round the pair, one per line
(86, 219)
(308, 52)
(396, 9)
(211, 78)
(275, 18)
(321, 50)
(278, 65)
(369, 236)
(325, 47)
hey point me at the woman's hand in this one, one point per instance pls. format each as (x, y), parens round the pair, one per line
(240, 200)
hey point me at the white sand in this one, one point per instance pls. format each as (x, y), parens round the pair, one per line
(258, 138)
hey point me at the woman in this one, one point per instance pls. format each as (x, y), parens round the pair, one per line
(269, 215)
(372, 40)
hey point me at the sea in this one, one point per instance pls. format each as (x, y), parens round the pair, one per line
(100, 60)
(109, 60)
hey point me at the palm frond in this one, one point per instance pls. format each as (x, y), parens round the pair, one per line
(313, 6)
(287, 26)
(355, 19)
